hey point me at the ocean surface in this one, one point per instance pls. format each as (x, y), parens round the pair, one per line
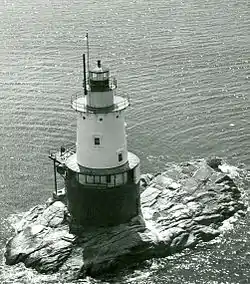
(185, 66)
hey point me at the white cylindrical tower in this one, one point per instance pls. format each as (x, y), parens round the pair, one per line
(102, 177)
(101, 136)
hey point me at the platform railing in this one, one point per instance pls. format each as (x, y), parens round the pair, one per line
(63, 153)
(81, 105)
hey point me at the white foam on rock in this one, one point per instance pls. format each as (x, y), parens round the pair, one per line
(232, 171)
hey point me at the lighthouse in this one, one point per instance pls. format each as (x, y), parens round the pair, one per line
(101, 175)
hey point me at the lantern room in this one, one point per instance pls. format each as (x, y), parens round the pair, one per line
(100, 94)
(99, 78)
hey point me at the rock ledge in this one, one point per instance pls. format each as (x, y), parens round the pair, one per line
(184, 205)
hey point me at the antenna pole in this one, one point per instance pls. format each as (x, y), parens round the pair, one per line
(87, 43)
(84, 75)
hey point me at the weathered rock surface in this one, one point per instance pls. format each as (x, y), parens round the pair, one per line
(181, 207)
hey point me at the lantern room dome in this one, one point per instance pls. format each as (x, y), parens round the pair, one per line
(99, 68)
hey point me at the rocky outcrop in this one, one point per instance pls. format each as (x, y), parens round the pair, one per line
(184, 205)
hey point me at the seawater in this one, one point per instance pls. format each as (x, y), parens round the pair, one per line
(185, 66)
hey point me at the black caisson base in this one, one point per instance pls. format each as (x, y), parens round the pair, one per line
(102, 197)
(96, 206)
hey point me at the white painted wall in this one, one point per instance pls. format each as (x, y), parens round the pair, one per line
(111, 131)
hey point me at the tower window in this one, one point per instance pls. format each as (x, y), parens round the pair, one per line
(97, 179)
(97, 141)
(120, 158)
(108, 178)
(90, 179)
